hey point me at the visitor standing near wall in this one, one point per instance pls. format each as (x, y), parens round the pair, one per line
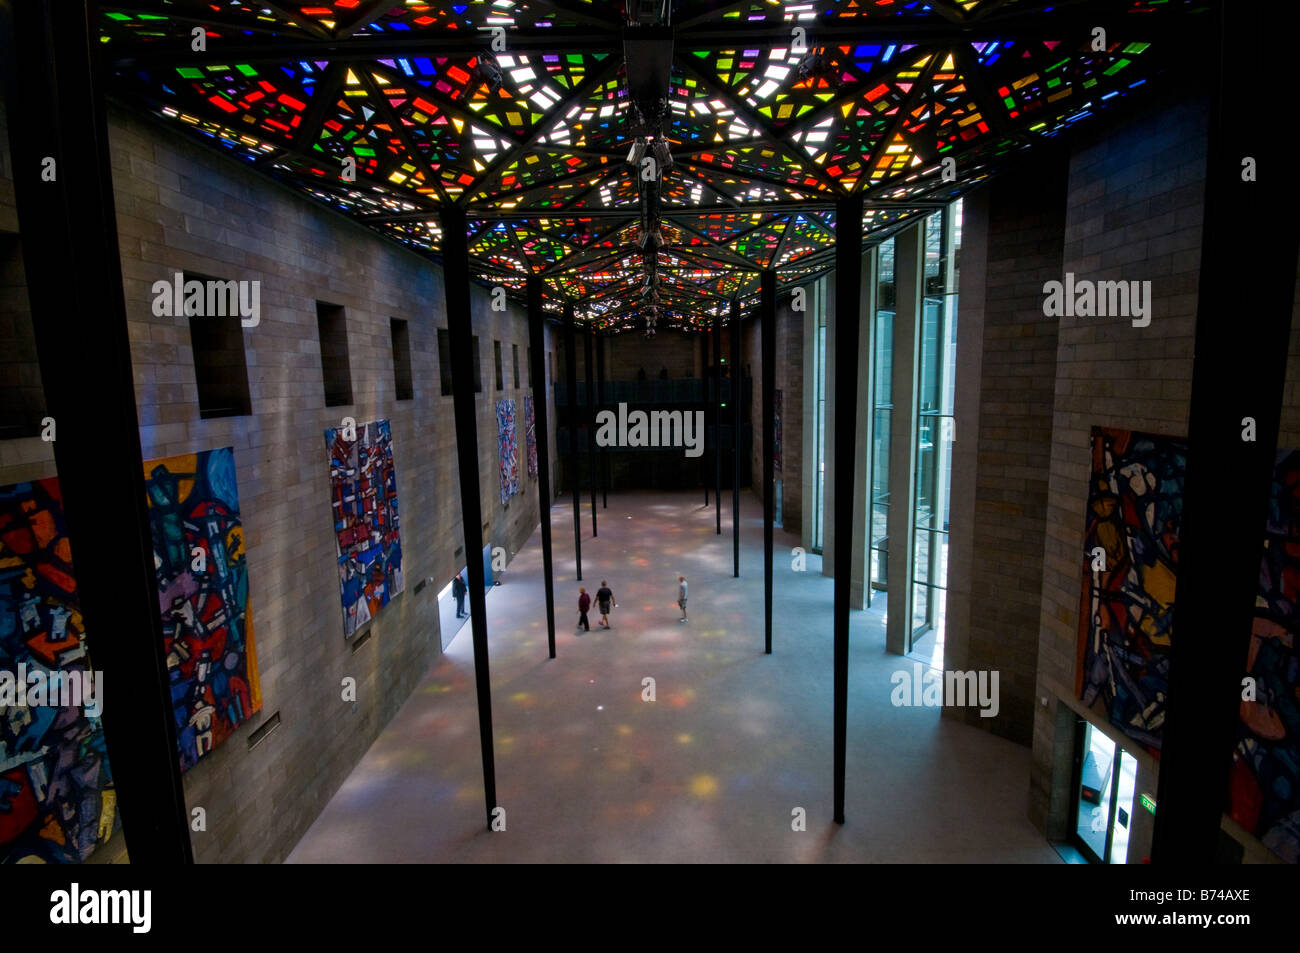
(681, 596)
(458, 588)
(584, 603)
(604, 596)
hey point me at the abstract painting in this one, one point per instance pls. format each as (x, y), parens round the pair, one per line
(509, 449)
(198, 551)
(530, 436)
(776, 431)
(57, 800)
(363, 497)
(1264, 793)
(1130, 568)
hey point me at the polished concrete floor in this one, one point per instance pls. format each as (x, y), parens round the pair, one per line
(713, 769)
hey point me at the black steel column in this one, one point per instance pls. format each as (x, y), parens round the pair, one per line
(1237, 372)
(600, 402)
(537, 357)
(460, 335)
(767, 326)
(704, 346)
(571, 382)
(848, 303)
(737, 392)
(74, 284)
(591, 424)
(716, 405)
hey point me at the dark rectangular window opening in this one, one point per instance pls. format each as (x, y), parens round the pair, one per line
(496, 357)
(514, 356)
(402, 359)
(22, 398)
(220, 367)
(444, 361)
(332, 324)
(528, 359)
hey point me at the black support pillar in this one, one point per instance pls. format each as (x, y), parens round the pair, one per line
(591, 423)
(767, 327)
(716, 406)
(460, 335)
(603, 460)
(737, 389)
(537, 357)
(708, 405)
(55, 108)
(571, 387)
(848, 295)
(1247, 271)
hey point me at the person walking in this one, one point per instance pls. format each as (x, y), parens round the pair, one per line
(681, 596)
(458, 588)
(604, 596)
(584, 603)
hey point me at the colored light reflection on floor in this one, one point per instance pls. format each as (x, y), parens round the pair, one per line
(704, 786)
(707, 772)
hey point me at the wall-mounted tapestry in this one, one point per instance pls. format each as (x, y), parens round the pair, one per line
(1265, 782)
(509, 449)
(530, 436)
(198, 547)
(776, 430)
(56, 788)
(1130, 568)
(363, 497)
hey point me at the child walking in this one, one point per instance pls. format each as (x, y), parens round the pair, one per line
(584, 603)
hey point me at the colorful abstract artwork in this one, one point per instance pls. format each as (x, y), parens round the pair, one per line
(1265, 782)
(1130, 568)
(509, 449)
(363, 497)
(530, 436)
(198, 549)
(57, 800)
(776, 430)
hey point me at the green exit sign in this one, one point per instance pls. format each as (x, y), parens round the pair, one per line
(1149, 803)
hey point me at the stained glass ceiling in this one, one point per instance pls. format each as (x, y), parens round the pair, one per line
(520, 112)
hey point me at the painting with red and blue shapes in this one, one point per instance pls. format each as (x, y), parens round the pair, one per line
(202, 578)
(57, 801)
(363, 499)
(1264, 791)
(530, 436)
(508, 447)
(1130, 574)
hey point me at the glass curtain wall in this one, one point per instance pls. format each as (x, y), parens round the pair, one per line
(935, 373)
(882, 410)
(817, 302)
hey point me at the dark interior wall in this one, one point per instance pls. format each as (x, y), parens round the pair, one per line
(789, 374)
(21, 397)
(181, 207)
(1134, 207)
(677, 351)
(1023, 233)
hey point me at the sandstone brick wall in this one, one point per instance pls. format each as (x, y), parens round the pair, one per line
(1009, 431)
(182, 207)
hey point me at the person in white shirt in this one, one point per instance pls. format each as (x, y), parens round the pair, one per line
(681, 596)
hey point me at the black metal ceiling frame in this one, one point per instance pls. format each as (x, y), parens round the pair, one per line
(345, 48)
(1020, 24)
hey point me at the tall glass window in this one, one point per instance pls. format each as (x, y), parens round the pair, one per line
(936, 371)
(882, 410)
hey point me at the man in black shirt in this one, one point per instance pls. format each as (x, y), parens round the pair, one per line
(604, 596)
(458, 590)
